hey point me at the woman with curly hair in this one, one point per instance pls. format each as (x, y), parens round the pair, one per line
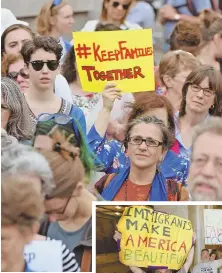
(14, 110)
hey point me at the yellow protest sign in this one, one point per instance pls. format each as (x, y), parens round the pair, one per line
(123, 57)
(152, 238)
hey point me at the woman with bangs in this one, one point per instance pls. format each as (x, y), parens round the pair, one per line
(113, 12)
(174, 68)
(113, 154)
(202, 97)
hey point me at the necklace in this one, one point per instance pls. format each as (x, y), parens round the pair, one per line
(125, 186)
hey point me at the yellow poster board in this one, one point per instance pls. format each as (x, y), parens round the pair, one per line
(152, 238)
(124, 57)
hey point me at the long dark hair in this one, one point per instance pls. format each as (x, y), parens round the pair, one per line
(215, 83)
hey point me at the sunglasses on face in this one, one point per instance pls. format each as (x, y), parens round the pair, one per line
(125, 7)
(38, 65)
(14, 75)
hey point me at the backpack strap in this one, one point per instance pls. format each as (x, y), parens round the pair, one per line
(86, 260)
(191, 8)
(104, 182)
(109, 178)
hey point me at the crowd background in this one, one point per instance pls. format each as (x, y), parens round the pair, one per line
(141, 154)
(84, 10)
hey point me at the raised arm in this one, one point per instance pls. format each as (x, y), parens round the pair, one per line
(105, 151)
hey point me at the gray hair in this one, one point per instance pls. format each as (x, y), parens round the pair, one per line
(19, 124)
(19, 159)
(211, 125)
(167, 136)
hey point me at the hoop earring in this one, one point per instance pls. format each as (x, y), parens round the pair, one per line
(212, 107)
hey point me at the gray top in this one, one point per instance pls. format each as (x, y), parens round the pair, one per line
(142, 14)
(70, 238)
(199, 5)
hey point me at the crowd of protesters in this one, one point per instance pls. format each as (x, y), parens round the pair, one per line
(63, 148)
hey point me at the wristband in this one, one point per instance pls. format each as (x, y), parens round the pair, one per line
(177, 17)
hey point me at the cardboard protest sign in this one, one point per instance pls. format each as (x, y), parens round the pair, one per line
(123, 57)
(44, 256)
(152, 238)
(213, 226)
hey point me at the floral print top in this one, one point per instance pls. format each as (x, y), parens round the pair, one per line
(113, 157)
(86, 103)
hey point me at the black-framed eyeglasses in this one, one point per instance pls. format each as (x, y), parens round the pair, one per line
(14, 75)
(207, 91)
(51, 64)
(150, 142)
(59, 211)
(125, 7)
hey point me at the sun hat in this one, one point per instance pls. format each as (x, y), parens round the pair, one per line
(8, 19)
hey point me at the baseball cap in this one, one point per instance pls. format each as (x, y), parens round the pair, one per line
(8, 19)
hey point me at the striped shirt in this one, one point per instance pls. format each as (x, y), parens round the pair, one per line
(68, 259)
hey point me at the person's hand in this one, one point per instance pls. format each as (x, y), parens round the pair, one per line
(136, 269)
(167, 12)
(110, 94)
(117, 235)
(115, 130)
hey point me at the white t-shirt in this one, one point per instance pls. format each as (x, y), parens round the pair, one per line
(208, 267)
(91, 26)
(62, 89)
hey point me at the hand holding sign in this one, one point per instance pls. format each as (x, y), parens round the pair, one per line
(110, 94)
(152, 238)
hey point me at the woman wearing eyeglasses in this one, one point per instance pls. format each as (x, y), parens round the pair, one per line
(113, 12)
(202, 97)
(13, 67)
(69, 205)
(146, 142)
(55, 20)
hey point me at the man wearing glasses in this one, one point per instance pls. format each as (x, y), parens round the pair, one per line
(205, 176)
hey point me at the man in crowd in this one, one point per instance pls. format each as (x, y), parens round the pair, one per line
(205, 180)
(206, 265)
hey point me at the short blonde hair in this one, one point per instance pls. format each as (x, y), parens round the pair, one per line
(43, 26)
(21, 204)
(175, 62)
